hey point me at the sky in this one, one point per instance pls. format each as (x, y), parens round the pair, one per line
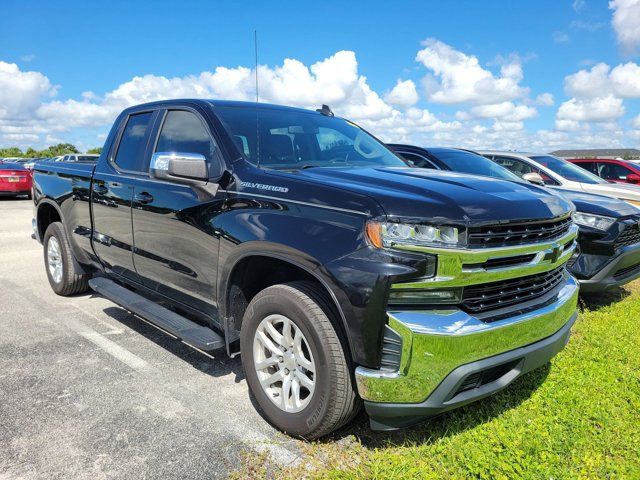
(521, 75)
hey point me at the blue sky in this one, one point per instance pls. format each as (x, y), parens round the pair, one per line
(62, 50)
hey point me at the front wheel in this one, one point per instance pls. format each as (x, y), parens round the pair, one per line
(294, 362)
(58, 262)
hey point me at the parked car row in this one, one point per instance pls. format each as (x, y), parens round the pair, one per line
(608, 252)
(15, 172)
(342, 275)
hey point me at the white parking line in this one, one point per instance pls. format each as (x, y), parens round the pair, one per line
(181, 392)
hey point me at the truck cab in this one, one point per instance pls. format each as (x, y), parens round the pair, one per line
(298, 240)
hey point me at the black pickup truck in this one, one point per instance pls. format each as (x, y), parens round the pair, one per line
(297, 239)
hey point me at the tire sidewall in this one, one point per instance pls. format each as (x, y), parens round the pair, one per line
(54, 231)
(282, 302)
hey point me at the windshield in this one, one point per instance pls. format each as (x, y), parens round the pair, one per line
(291, 140)
(467, 162)
(567, 170)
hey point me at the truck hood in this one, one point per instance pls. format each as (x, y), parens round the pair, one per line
(444, 196)
(598, 204)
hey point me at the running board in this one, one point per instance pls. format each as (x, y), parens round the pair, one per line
(186, 330)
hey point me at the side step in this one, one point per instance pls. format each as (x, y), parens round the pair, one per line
(189, 332)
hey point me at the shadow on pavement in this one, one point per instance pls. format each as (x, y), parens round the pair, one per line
(215, 363)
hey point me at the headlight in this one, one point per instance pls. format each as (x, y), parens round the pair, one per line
(389, 234)
(593, 221)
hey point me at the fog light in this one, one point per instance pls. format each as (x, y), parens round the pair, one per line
(424, 297)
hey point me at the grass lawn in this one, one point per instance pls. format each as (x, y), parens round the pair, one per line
(578, 417)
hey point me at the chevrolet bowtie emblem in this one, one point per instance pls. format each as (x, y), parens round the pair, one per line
(555, 254)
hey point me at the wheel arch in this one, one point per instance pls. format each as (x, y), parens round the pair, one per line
(302, 264)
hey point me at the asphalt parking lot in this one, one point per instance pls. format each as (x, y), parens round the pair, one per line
(88, 390)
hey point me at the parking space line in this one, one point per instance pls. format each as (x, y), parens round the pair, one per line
(245, 434)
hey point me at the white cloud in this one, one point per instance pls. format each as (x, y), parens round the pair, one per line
(625, 80)
(636, 122)
(506, 111)
(588, 83)
(404, 94)
(599, 109)
(545, 99)
(495, 104)
(568, 125)
(21, 92)
(578, 5)
(626, 23)
(622, 81)
(458, 78)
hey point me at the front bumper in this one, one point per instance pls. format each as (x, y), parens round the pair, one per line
(621, 269)
(442, 349)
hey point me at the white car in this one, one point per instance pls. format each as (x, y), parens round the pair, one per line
(549, 170)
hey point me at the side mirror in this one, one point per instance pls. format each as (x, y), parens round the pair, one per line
(187, 168)
(533, 177)
(633, 178)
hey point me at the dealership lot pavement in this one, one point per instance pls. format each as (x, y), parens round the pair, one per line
(87, 390)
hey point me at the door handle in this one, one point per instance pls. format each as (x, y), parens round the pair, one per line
(100, 189)
(143, 197)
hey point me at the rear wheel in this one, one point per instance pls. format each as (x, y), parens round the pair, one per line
(294, 362)
(58, 262)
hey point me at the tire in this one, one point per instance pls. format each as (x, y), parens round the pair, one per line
(67, 281)
(334, 401)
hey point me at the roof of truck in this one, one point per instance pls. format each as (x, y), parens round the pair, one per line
(222, 103)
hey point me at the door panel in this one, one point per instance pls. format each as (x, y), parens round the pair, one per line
(176, 243)
(176, 240)
(113, 236)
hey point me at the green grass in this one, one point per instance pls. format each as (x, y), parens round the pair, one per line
(579, 417)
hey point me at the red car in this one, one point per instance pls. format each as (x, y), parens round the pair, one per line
(615, 171)
(14, 180)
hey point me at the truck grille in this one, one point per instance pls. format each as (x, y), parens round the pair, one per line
(482, 298)
(518, 233)
(629, 236)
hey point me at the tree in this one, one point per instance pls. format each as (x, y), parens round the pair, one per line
(10, 152)
(62, 149)
(97, 150)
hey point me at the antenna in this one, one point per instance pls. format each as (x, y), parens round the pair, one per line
(255, 45)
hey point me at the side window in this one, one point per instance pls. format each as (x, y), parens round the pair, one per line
(516, 166)
(589, 166)
(417, 160)
(130, 154)
(184, 132)
(521, 168)
(613, 171)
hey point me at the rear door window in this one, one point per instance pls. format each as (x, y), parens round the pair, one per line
(133, 143)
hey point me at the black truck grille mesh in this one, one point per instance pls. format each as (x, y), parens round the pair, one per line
(482, 298)
(629, 236)
(518, 233)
